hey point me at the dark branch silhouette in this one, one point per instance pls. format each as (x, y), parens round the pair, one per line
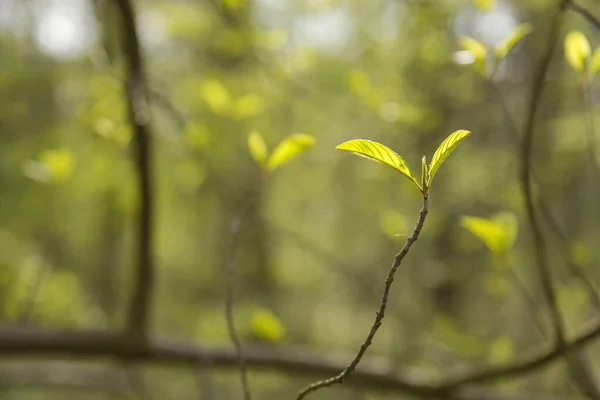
(137, 94)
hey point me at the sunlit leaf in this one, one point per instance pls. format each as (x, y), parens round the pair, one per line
(577, 50)
(258, 148)
(596, 61)
(498, 233)
(216, 97)
(502, 350)
(444, 150)
(514, 37)
(485, 5)
(478, 50)
(378, 152)
(289, 148)
(233, 5)
(266, 326)
(59, 164)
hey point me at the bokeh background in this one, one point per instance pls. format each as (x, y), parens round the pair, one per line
(313, 253)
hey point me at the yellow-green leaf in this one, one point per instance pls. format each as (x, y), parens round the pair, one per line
(512, 39)
(378, 152)
(478, 50)
(258, 148)
(577, 50)
(485, 5)
(290, 148)
(596, 61)
(266, 326)
(444, 150)
(59, 163)
(498, 233)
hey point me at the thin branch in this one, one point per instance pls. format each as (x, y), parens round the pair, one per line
(525, 173)
(102, 345)
(546, 213)
(584, 13)
(136, 88)
(590, 129)
(235, 230)
(380, 314)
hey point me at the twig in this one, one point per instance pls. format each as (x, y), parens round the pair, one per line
(584, 13)
(577, 368)
(590, 129)
(380, 314)
(235, 230)
(525, 173)
(545, 212)
(136, 88)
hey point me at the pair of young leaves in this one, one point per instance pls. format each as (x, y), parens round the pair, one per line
(480, 51)
(378, 152)
(578, 53)
(287, 149)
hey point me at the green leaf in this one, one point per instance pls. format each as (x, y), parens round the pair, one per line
(290, 148)
(512, 39)
(478, 50)
(266, 326)
(485, 5)
(498, 233)
(258, 148)
(577, 50)
(596, 61)
(378, 152)
(444, 150)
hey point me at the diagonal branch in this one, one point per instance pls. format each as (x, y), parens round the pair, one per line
(380, 314)
(136, 88)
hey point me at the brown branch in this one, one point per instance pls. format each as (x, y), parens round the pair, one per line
(380, 314)
(525, 175)
(571, 5)
(235, 230)
(136, 88)
(101, 345)
(577, 368)
(523, 367)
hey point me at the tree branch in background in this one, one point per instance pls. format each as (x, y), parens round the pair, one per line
(136, 88)
(380, 314)
(86, 345)
(571, 5)
(577, 368)
(235, 231)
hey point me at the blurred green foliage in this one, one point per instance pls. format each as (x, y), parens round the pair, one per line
(315, 248)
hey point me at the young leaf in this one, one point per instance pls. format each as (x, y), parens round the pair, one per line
(596, 61)
(444, 150)
(258, 148)
(485, 5)
(478, 50)
(378, 152)
(289, 148)
(498, 233)
(512, 39)
(577, 50)
(266, 326)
